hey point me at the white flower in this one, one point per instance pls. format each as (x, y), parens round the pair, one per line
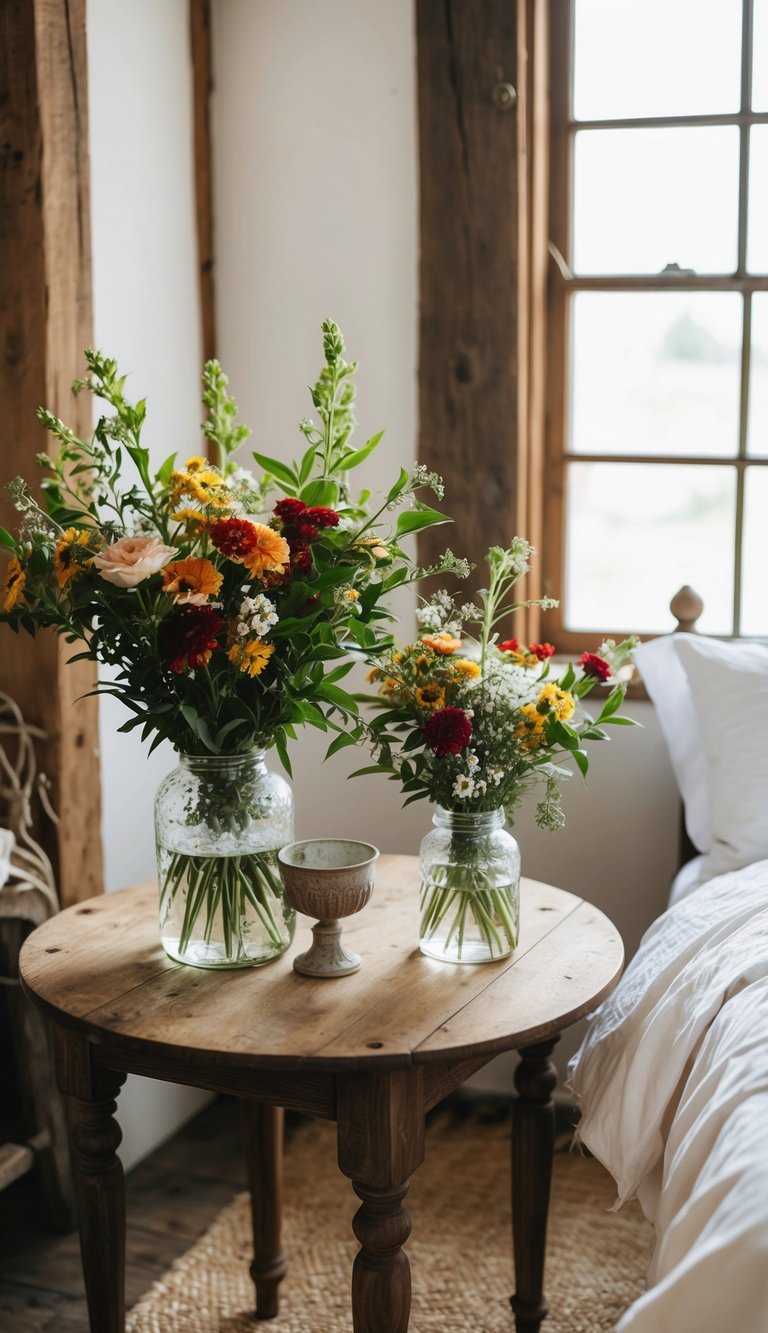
(472, 761)
(257, 616)
(496, 775)
(463, 786)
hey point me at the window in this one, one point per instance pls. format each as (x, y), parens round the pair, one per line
(658, 314)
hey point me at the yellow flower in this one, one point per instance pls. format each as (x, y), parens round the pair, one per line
(556, 700)
(466, 669)
(269, 552)
(14, 584)
(196, 464)
(191, 518)
(69, 554)
(352, 595)
(442, 643)
(423, 664)
(530, 729)
(430, 696)
(372, 546)
(251, 657)
(192, 581)
(373, 675)
(205, 485)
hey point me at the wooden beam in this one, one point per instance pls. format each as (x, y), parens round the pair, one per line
(45, 322)
(202, 87)
(469, 379)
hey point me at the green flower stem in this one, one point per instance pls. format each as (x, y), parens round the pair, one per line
(458, 904)
(224, 888)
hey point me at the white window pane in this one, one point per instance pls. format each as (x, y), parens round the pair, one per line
(754, 603)
(635, 533)
(760, 57)
(647, 198)
(655, 372)
(757, 237)
(653, 58)
(758, 377)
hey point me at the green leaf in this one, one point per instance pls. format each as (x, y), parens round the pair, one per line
(612, 705)
(621, 722)
(357, 456)
(342, 742)
(306, 464)
(581, 759)
(399, 485)
(277, 469)
(163, 474)
(7, 540)
(413, 520)
(321, 491)
(283, 753)
(339, 697)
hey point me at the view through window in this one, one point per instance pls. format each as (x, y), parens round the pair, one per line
(659, 412)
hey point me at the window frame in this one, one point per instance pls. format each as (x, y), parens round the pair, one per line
(563, 284)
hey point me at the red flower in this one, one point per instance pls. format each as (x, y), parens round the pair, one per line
(324, 518)
(301, 559)
(305, 532)
(289, 510)
(541, 650)
(187, 637)
(593, 665)
(234, 537)
(447, 731)
(509, 646)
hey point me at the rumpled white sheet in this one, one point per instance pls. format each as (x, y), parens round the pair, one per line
(673, 1077)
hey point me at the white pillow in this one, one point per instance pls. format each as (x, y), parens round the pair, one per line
(665, 679)
(711, 699)
(729, 687)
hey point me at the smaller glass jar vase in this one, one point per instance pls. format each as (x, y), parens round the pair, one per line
(470, 888)
(219, 823)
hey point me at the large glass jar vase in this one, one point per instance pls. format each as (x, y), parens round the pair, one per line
(219, 824)
(470, 888)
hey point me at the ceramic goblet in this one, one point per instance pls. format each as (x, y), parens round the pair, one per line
(327, 878)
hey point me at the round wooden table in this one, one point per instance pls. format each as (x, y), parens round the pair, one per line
(372, 1051)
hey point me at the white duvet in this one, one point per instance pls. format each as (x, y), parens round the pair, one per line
(673, 1080)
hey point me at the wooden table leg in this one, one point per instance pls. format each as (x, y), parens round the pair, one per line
(533, 1138)
(381, 1143)
(95, 1137)
(263, 1128)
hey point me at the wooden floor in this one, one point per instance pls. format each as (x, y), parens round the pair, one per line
(172, 1197)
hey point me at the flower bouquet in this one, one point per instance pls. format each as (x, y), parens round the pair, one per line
(473, 724)
(224, 606)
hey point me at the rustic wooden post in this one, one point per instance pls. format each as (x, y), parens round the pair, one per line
(473, 209)
(45, 322)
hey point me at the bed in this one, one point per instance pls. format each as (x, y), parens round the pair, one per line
(672, 1076)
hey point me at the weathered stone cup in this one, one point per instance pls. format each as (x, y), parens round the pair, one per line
(328, 878)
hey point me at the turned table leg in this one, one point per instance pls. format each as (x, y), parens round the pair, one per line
(533, 1138)
(263, 1127)
(381, 1143)
(95, 1136)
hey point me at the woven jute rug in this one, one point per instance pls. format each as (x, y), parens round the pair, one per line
(459, 1249)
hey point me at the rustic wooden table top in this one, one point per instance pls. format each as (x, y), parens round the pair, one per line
(99, 966)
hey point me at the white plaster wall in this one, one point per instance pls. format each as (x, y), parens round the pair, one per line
(145, 315)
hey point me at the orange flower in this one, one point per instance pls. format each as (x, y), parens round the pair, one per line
(252, 657)
(466, 670)
(530, 729)
(443, 643)
(14, 584)
(70, 554)
(192, 581)
(430, 696)
(269, 552)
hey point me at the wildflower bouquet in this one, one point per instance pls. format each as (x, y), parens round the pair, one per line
(474, 724)
(223, 603)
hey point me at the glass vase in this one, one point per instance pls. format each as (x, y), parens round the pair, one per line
(470, 888)
(219, 823)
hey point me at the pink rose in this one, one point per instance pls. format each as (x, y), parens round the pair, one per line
(132, 559)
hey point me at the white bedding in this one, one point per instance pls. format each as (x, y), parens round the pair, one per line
(673, 1079)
